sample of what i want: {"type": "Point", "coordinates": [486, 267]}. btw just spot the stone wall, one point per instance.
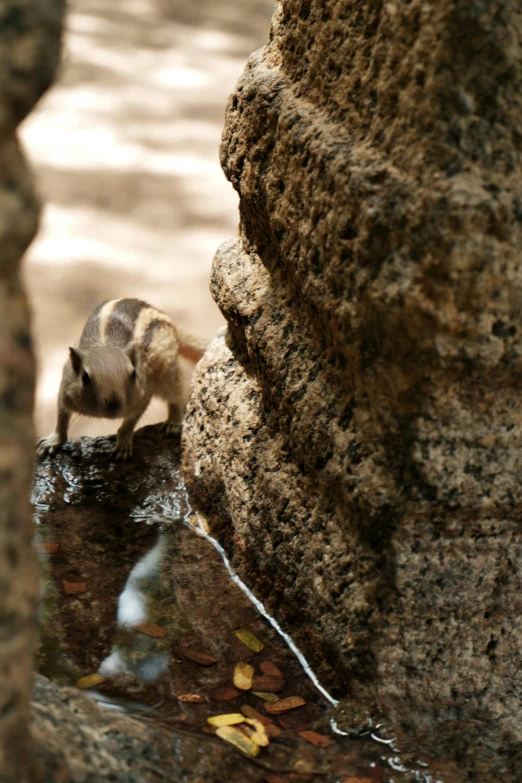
{"type": "Point", "coordinates": [29, 51]}
{"type": "Point", "coordinates": [354, 435]}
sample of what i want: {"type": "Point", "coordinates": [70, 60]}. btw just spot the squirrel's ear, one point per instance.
{"type": "Point", "coordinates": [132, 352]}
{"type": "Point", "coordinates": [76, 359]}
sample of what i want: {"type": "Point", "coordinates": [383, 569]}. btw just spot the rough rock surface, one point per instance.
{"type": "Point", "coordinates": [30, 35]}
{"type": "Point", "coordinates": [79, 742]}
{"type": "Point", "coordinates": [354, 436]}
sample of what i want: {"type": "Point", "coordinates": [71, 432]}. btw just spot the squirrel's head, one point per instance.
{"type": "Point", "coordinates": [104, 381]}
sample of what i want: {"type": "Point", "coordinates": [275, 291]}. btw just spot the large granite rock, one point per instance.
{"type": "Point", "coordinates": [29, 52]}
{"type": "Point", "coordinates": [353, 437]}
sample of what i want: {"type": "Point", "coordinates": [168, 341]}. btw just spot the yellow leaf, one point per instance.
{"type": "Point", "coordinates": [243, 676]}
{"type": "Point", "coordinates": [240, 740]}
{"type": "Point", "coordinates": [226, 720]}
{"type": "Point", "coordinates": [258, 735]}
{"type": "Point", "coordinates": [90, 681]}
{"type": "Point", "coordinates": [266, 696]}
{"type": "Point", "coordinates": [249, 640]}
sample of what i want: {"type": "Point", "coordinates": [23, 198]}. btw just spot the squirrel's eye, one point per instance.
{"type": "Point", "coordinates": [86, 378]}
{"type": "Point", "coordinates": [133, 375]}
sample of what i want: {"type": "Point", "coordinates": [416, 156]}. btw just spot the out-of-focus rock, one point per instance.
{"type": "Point", "coordinates": [29, 52]}
{"type": "Point", "coordinates": [354, 436]}
{"type": "Point", "coordinates": [79, 742]}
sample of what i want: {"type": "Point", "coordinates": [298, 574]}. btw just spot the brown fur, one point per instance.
{"type": "Point", "coordinates": [128, 353]}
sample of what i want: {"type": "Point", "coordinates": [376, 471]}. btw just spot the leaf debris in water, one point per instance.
{"type": "Point", "coordinates": [47, 549]}
{"type": "Point", "coordinates": [225, 693]}
{"type": "Point", "coordinates": [249, 640]}
{"type": "Point", "coordinates": [270, 669]}
{"type": "Point", "coordinates": [73, 588]}
{"type": "Point", "coordinates": [229, 719]}
{"type": "Point", "coordinates": [191, 698]}
{"type": "Point", "coordinates": [239, 740]}
{"type": "Point", "coordinates": [258, 733]}
{"type": "Point", "coordinates": [268, 684]}
{"type": "Point", "coordinates": [266, 696]}
{"type": "Point", "coordinates": [90, 681]}
{"type": "Point", "coordinates": [250, 712]}
{"type": "Point", "coordinates": [290, 703]}
{"type": "Point", "coordinates": [243, 676]}
{"type": "Point", "coordinates": [272, 730]}
{"type": "Point", "coordinates": [149, 629]}
{"type": "Point", "coordinates": [315, 739]}
{"type": "Point", "coordinates": [198, 657]}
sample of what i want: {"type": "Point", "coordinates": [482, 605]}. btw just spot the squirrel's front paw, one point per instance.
{"type": "Point", "coordinates": [122, 450]}
{"type": "Point", "coordinates": [49, 445]}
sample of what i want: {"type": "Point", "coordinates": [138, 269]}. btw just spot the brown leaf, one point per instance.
{"type": "Point", "coordinates": [149, 629]}
{"type": "Point", "coordinates": [73, 588]}
{"type": "Point", "coordinates": [250, 712]}
{"type": "Point", "coordinates": [209, 729]}
{"type": "Point", "coordinates": [195, 655]}
{"type": "Point", "coordinates": [225, 693]}
{"type": "Point", "coordinates": [243, 676]}
{"type": "Point", "coordinates": [294, 722]}
{"type": "Point", "coordinates": [299, 776]}
{"type": "Point", "coordinates": [270, 669]}
{"type": "Point", "coordinates": [191, 698]}
{"type": "Point", "coordinates": [47, 549]}
{"type": "Point", "coordinates": [315, 739]}
{"type": "Point", "coordinates": [272, 730]}
{"type": "Point", "coordinates": [250, 640]}
{"type": "Point", "coordinates": [290, 703]}
{"type": "Point", "coordinates": [269, 778]}
{"type": "Point", "coordinates": [268, 684]}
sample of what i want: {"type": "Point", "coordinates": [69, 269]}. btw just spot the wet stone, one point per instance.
{"type": "Point", "coordinates": [155, 589]}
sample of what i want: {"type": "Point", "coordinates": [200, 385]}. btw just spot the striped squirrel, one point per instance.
{"type": "Point", "coordinates": [128, 353]}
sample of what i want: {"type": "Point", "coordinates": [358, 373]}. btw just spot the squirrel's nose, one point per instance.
{"type": "Point", "coordinates": [112, 404]}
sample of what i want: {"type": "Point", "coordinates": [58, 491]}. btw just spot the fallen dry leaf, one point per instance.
{"type": "Point", "coordinates": [290, 703]}
{"type": "Point", "coordinates": [273, 778]}
{"type": "Point", "coordinates": [258, 733]}
{"type": "Point", "coordinates": [191, 698]}
{"type": "Point", "coordinates": [294, 721]}
{"type": "Point", "coordinates": [270, 669]}
{"type": "Point", "coordinates": [209, 730]}
{"type": "Point", "coordinates": [249, 640]}
{"type": "Point", "coordinates": [73, 588]}
{"type": "Point", "coordinates": [195, 655]}
{"type": "Point", "coordinates": [272, 730]}
{"type": "Point", "coordinates": [243, 676]}
{"type": "Point", "coordinates": [315, 739]}
{"type": "Point", "coordinates": [268, 684]}
{"type": "Point", "coordinates": [250, 712]}
{"type": "Point", "coordinates": [357, 780]}
{"type": "Point", "coordinates": [149, 629]}
{"type": "Point", "coordinates": [238, 739]}
{"type": "Point", "coordinates": [229, 719]}
{"type": "Point", "coordinates": [266, 696]}
{"type": "Point", "coordinates": [90, 681]}
{"type": "Point", "coordinates": [299, 776]}
{"type": "Point", "coordinates": [46, 549]}
{"type": "Point", "coordinates": [225, 693]}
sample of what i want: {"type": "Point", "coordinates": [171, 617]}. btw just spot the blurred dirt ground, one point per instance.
{"type": "Point", "coordinates": [125, 149]}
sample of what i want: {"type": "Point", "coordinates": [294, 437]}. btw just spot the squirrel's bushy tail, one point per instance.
{"type": "Point", "coordinates": [191, 347]}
